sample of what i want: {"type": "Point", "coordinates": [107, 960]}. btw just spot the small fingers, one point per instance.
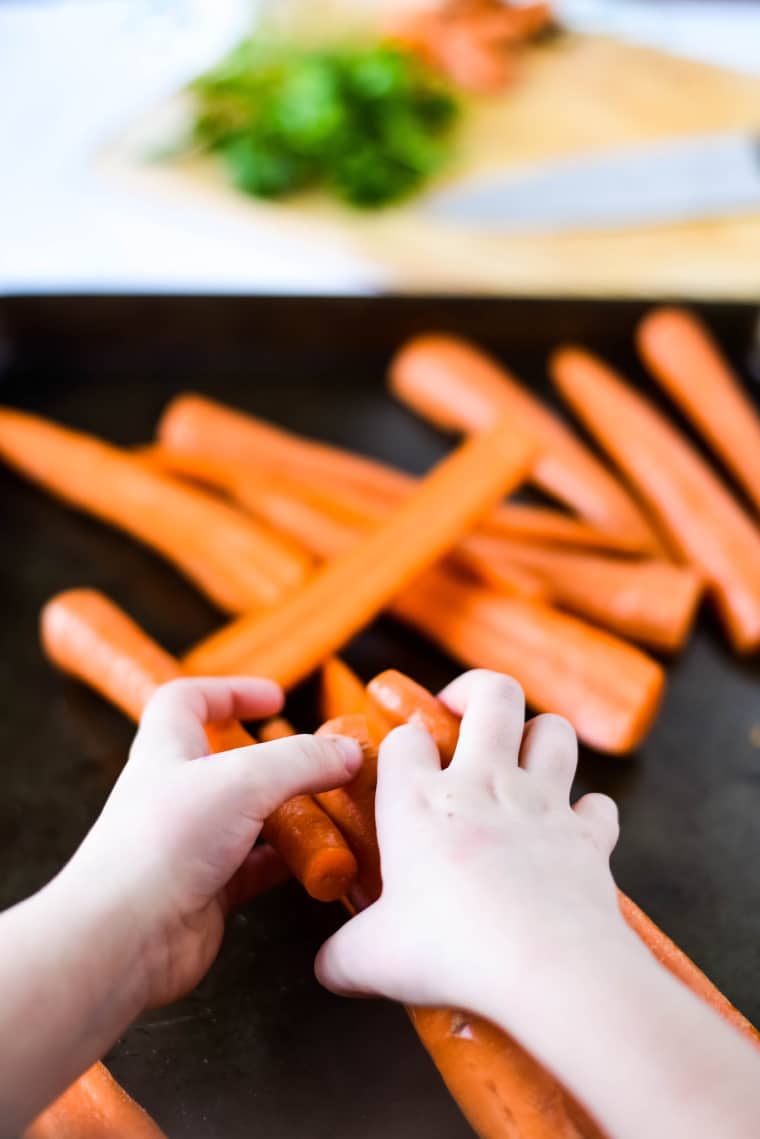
{"type": "Point", "coordinates": [407, 756]}
{"type": "Point", "coordinates": [172, 725]}
{"type": "Point", "coordinates": [550, 751]}
{"type": "Point", "coordinates": [600, 814]}
{"type": "Point", "coordinates": [492, 707]}
{"type": "Point", "coordinates": [260, 778]}
{"type": "Point", "coordinates": [348, 962]}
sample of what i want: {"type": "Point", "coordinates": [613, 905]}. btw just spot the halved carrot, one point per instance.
{"type": "Point", "coordinates": [404, 701]}
{"type": "Point", "coordinates": [459, 388]}
{"type": "Point", "coordinates": [94, 1107]}
{"type": "Point", "coordinates": [300, 634]}
{"type": "Point", "coordinates": [236, 562]}
{"type": "Point", "coordinates": [702, 519]}
{"type": "Point", "coordinates": [219, 447]}
{"type": "Point", "coordinates": [608, 690]}
{"type": "Point", "coordinates": [651, 601]}
{"type": "Point", "coordinates": [342, 694]}
{"type": "Point", "coordinates": [89, 637]}
{"type": "Point", "coordinates": [680, 352]}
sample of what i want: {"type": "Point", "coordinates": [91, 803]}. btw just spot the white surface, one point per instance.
{"type": "Point", "coordinates": [73, 73]}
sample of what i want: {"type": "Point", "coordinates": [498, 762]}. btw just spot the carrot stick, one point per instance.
{"type": "Point", "coordinates": [459, 388]}
{"type": "Point", "coordinates": [404, 701]}
{"type": "Point", "coordinates": [344, 694]}
{"type": "Point", "coordinates": [87, 636]}
{"type": "Point", "coordinates": [651, 601]}
{"type": "Point", "coordinates": [680, 352]}
{"type": "Point", "coordinates": [703, 521]}
{"type": "Point", "coordinates": [296, 637]}
{"type": "Point", "coordinates": [94, 1107]}
{"type": "Point", "coordinates": [232, 559]}
{"type": "Point", "coordinates": [205, 441]}
{"type": "Point", "coordinates": [608, 690]}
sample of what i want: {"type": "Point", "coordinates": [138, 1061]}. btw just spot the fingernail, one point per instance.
{"type": "Point", "coordinates": [351, 751]}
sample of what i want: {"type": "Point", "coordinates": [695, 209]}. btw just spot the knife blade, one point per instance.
{"type": "Point", "coordinates": [699, 177]}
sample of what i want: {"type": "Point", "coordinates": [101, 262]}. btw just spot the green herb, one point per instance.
{"type": "Point", "coordinates": [368, 123]}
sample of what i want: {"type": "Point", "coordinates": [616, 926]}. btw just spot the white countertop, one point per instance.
{"type": "Point", "coordinates": [75, 72]}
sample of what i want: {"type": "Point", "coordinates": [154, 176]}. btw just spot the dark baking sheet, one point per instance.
{"type": "Point", "coordinates": [259, 1048]}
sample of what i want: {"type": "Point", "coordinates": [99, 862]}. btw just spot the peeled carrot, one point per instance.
{"type": "Point", "coordinates": [352, 809]}
{"type": "Point", "coordinates": [94, 1107]}
{"type": "Point", "coordinates": [236, 562]}
{"type": "Point", "coordinates": [651, 601]}
{"type": "Point", "coordinates": [404, 701]}
{"type": "Point", "coordinates": [297, 636]}
{"type": "Point", "coordinates": [680, 352]}
{"type": "Point", "coordinates": [459, 388]}
{"type": "Point", "coordinates": [703, 521]}
{"type": "Point", "coordinates": [212, 444]}
{"type": "Point", "coordinates": [608, 690]}
{"type": "Point", "coordinates": [86, 635]}
{"type": "Point", "coordinates": [344, 694]}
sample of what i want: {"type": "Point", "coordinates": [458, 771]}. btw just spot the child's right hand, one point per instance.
{"type": "Point", "coordinates": [493, 884]}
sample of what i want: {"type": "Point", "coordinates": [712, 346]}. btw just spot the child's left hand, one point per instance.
{"type": "Point", "coordinates": [174, 840]}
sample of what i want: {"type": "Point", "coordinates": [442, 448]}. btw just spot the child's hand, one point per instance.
{"type": "Point", "coordinates": [173, 843]}
{"type": "Point", "coordinates": [492, 883]}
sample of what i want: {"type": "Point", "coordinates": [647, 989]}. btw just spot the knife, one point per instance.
{"type": "Point", "coordinates": [704, 176]}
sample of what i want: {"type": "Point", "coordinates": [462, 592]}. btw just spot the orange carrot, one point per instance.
{"type": "Point", "coordinates": [86, 635]}
{"type": "Point", "coordinates": [704, 522]}
{"type": "Point", "coordinates": [609, 690]}
{"type": "Point", "coordinates": [195, 424]}
{"type": "Point", "coordinates": [680, 352]}
{"type": "Point", "coordinates": [235, 561]}
{"type": "Point", "coordinates": [214, 445]}
{"type": "Point", "coordinates": [94, 1107]}
{"type": "Point", "coordinates": [276, 728]}
{"type": "Point", "coordinates": [651, 601]}
{"type": "Point", "coordinates": [404, 701]}
{"type": "Point", "coordinates": [344, 694]}
{"type": "Point", "coordinates": [352, 809]}
{"type": "Point", "coordinates": [297, 636]}
{"type": "Point", "coordinates": [459, 388]}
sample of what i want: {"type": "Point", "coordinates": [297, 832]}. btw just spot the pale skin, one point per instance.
{"type": "Point", "coordinates": [497, 898]}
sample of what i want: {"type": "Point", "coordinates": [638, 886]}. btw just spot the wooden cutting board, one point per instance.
{"type": "Point", "coordinates": [575, 94]}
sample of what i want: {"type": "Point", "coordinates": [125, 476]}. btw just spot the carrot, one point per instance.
{"type": "Point", "coordinates": [458, 388]}
{"type": "Point", "coordinates": [703, 521]}
{"type": "Point", "coordinates": [212, 444]}
{"type": "Point", "coordinates": [298, 635]}
{"type": "Point", "coordinates": [352, 809]}
{"type": "Point", "coordinates": [276, 728]}
{"type": "Point", "coordinates": [94, 1107]}
{"type": "Point", "coordinates": [404, 701]}
{"type": "Point", "coordinates": [193, 424]}
{"type": "Point", "coordinates": [651, 601]}
{"type": "Point", "coordinates": [344, 694]}
{"type": "Point", "coordinates": [608, 690]}
{"type": "Point", "coordinates": [680, 352]}
{"type": "Point", "coordinates": [233, 560]}
{"type": "Point", "coordinates": [86, 635]}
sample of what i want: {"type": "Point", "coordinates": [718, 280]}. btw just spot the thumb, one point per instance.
{"type": "Point", "coordinates": [350, 962]}
{"type": "Point", "coordinates": [259, 778]}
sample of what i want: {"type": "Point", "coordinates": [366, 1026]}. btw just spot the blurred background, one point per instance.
{"type": "Point", "coordinates": [113, 181]}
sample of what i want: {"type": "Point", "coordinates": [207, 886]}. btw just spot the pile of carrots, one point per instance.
{"type": "Point", "coordinates": [303, 544]}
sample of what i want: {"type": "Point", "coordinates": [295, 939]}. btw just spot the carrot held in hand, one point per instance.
{"type": "Point", "coordinates": [94, 1107]}
{"type": "Point", "coordinates": [236, 562]}
{"type": "Point", "coordinates": [89, 637]}
{"type": "Point", "coordinates": [459, 388]}
{"type": "Point", "coordinates": [702, 519]}
{"type": "Point", "coordinates": [297, 636]}
{"type": "Point", "coordinates": [680, 352]}
{"type": "Point", "coordinates": [343, 694]}
{"type": "Point", "coordinates": [406, 702]}
{"type": "Point", "coordinates": [651, 601]}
